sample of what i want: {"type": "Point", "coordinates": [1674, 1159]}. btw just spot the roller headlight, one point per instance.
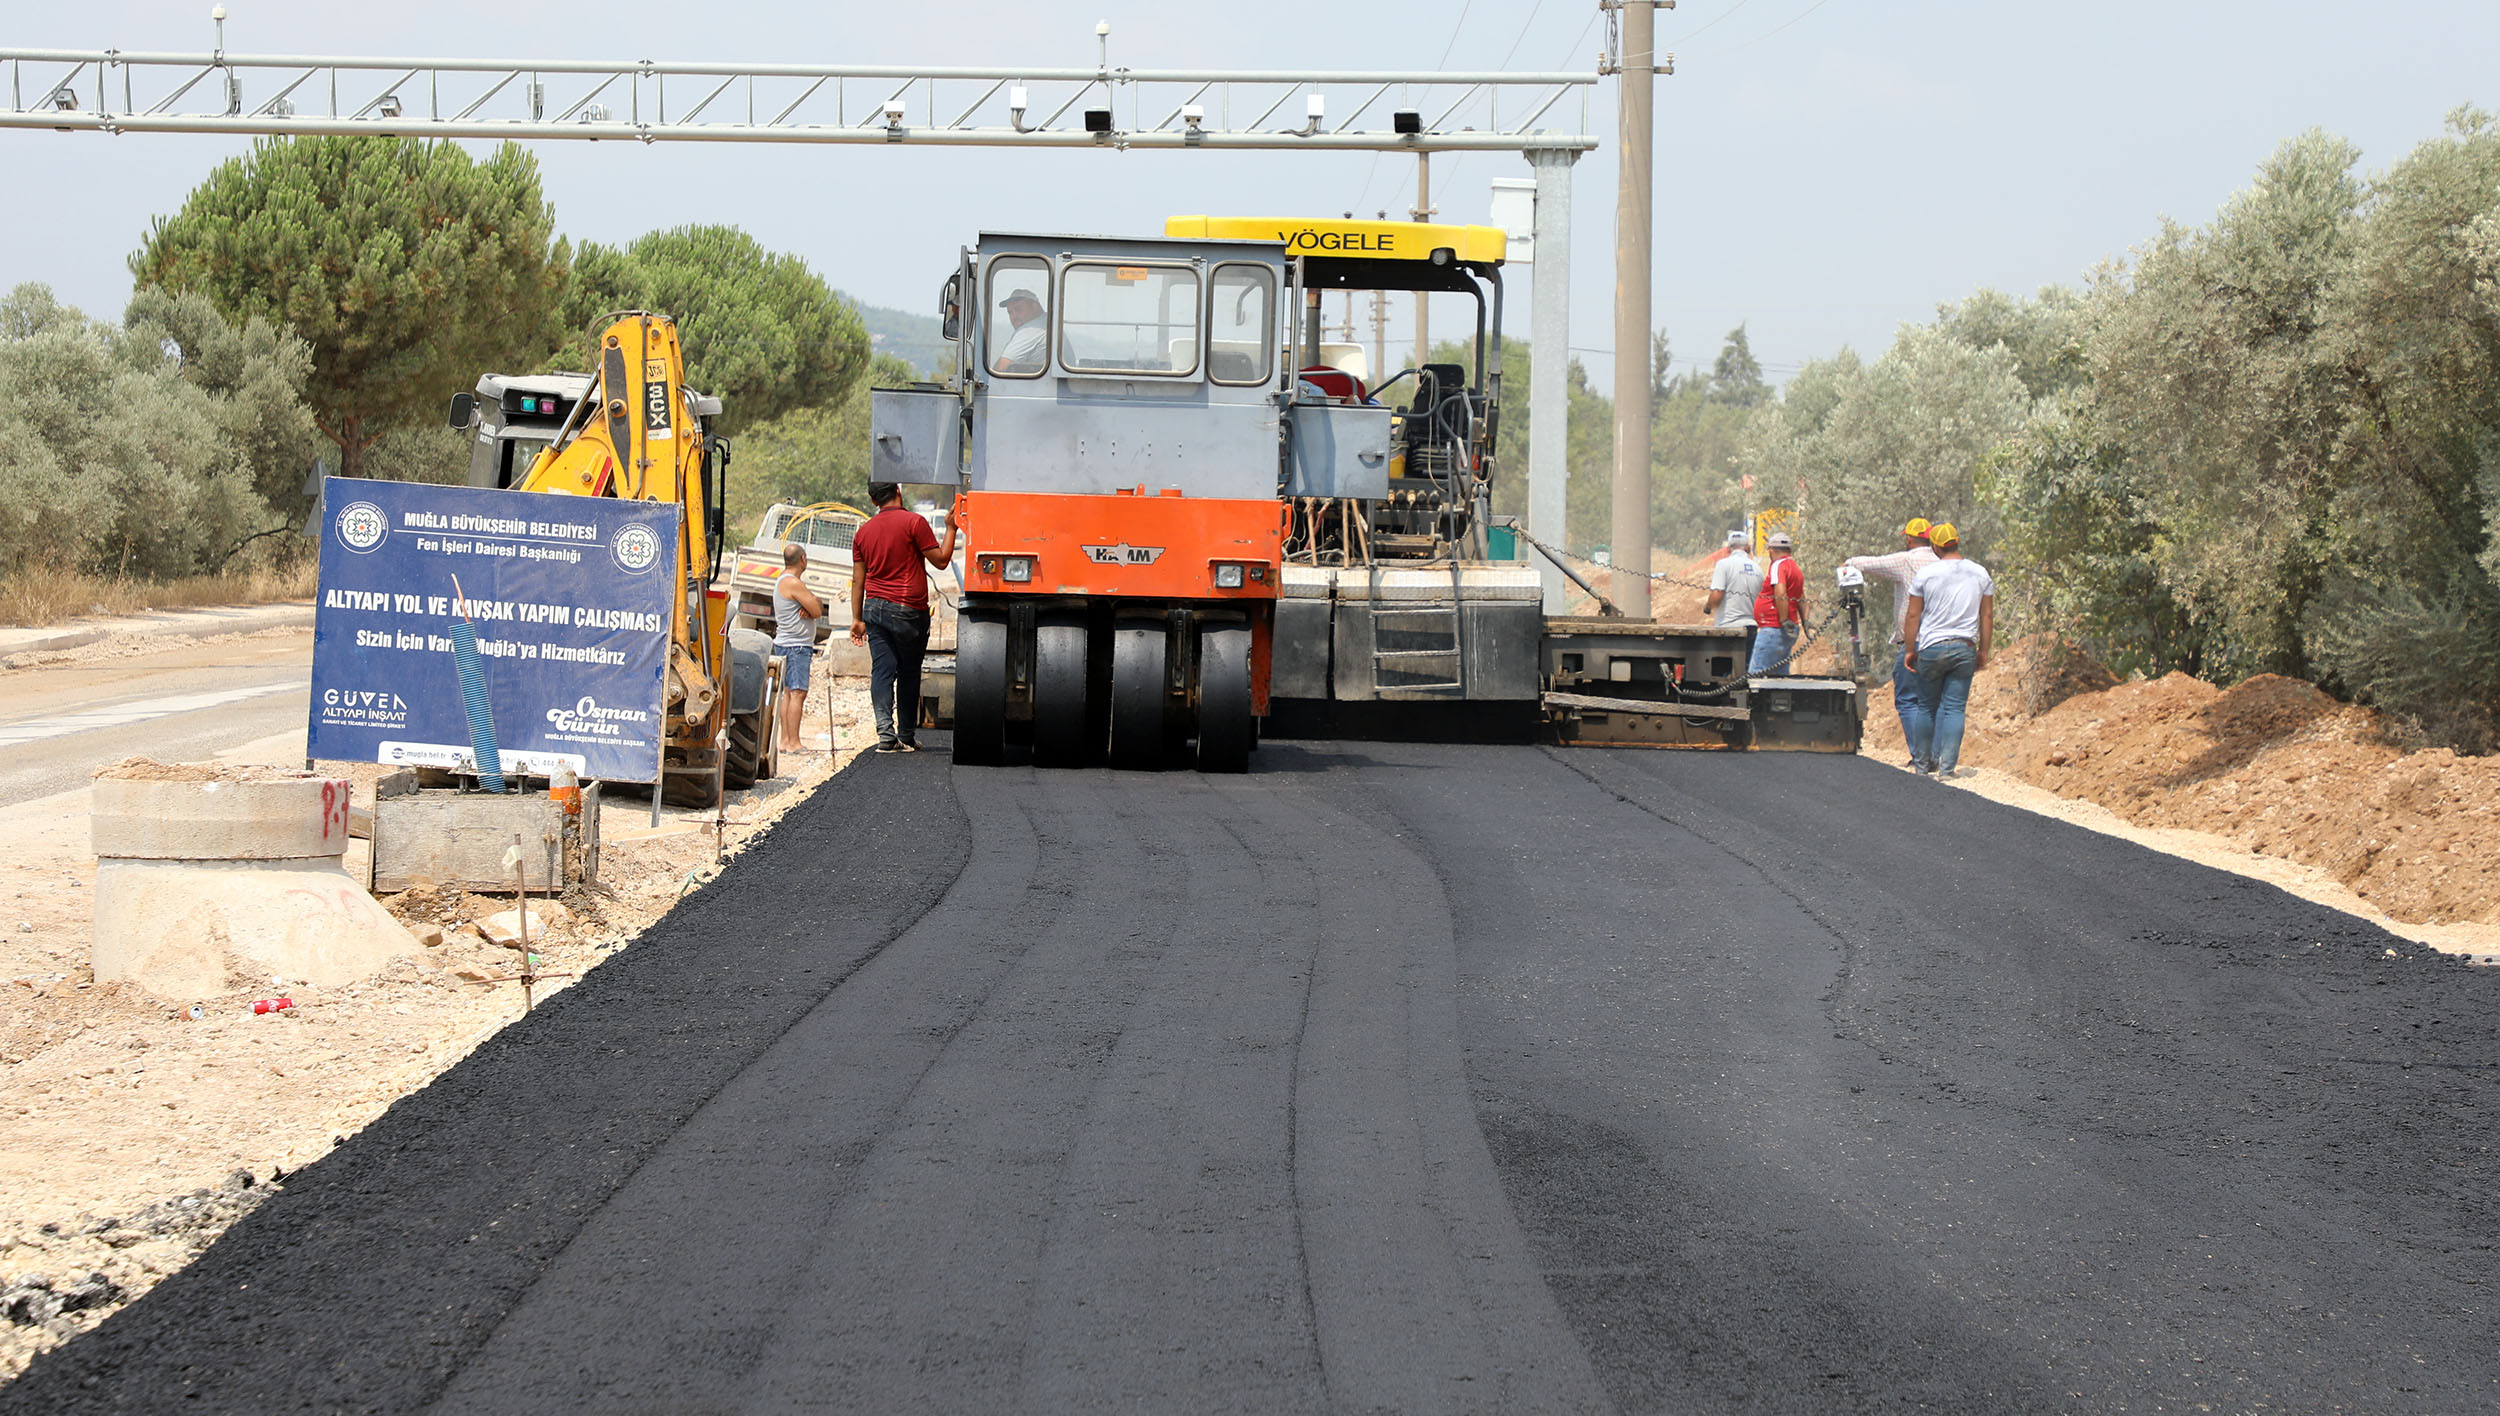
{"type": "Point", "coordinates": [1228, 577]}
{"type": "Point", "coordinates": [1018, 570]}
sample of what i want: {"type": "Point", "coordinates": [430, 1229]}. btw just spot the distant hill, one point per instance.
{"type": "Point", "coordinates": [911, 337]}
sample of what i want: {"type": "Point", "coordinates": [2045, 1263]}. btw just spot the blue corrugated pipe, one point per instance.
{"type": "Point", "coordinates": [473, 694]}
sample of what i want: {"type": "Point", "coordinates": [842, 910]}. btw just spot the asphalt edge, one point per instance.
{"type": "Point", "coordinates": [259, 1321]}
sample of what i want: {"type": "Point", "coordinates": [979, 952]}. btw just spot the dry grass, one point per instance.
{"type": "Point", "coordinates": [30, 597]}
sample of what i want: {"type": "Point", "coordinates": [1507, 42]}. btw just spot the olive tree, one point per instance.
{"type": "Point", "coordinates": [1860, 448]}
{"type": "Point", "coordinates": [142, 449]}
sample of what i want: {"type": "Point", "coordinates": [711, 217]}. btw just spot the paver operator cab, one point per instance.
{"type": "Point", "coordinates": [1177, 512]}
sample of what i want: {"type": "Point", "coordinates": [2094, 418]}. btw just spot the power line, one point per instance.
{"type": "Point", "coordinates": [1523, 35]}
{"type": "Point", "coordinates": [1371, 174]}
{"type": "Point", "coordinates": [1454, 29]}
{"type": "Point", "coordinates": [1521, 38]}
{"type": "Point", "coordinates": [1584, 34]}
{"type": "Point", "coordinates": [1766, 34]}
{"type": "Point", "coordinates": [1726, 14]}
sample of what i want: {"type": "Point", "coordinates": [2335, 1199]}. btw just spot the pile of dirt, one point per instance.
{"type": "Point", "coordinates": [148, 769]}
{"type": "Point", "coordinates": [2047, 671]}
{"type": "Point", "coordinates": [2271, 763]}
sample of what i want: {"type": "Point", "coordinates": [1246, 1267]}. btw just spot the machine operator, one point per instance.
{"type": "Point", "coordinates": [1028, 348]}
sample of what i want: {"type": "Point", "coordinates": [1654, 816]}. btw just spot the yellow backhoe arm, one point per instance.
{"type": "Point", "coordinates": [636, 437]}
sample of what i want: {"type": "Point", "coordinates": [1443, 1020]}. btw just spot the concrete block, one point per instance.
{"type": "Point", "coordinates": [839, 655]}
{"type": "Point", "coordinates": [296, 817]}
{"type": "Point", "coordinates": [193, 929]}
{"type": "Point", "coordinates": [455, 838]}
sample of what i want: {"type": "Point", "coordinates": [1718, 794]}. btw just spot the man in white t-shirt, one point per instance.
{"type": "Point", "coordinates": [1028, 348]}
{"type": "Point", "coordinates": [1952, 619]}
{"type": "Point", "coordinates": [1734, 582]}
{"type": "Point", "coordinates": [1900, 567]}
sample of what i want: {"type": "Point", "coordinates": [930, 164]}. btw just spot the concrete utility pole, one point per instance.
{"type": "Point", "coordinates": [1549, 333]}
{"type": "Point", "coordinates": [1637, 61]}
{"type": "Point", "coordinates": [1423, 299]}
{"type": "Point", "coordinates": [1380, 335]}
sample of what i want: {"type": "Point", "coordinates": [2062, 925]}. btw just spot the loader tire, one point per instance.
{"type": "Point", "coordinates": [748, 747]}
{"type": "Point", "coordinates": [696, 791]}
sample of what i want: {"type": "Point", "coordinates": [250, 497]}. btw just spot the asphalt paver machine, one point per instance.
{"type": "Point", "coordinates": [1394, 617]}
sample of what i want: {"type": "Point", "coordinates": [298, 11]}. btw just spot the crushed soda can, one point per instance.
{"type": "Point", "coordinates": [272, 1005]}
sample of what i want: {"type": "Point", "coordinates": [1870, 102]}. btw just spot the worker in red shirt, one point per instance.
{"type": "Point", "coordinates": [1780, 610]}
{"type": "Point", "coordinates": [890, 556]}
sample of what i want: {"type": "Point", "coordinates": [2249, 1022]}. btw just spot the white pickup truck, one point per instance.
{"type": "Point", "coordinates": [825, 529]}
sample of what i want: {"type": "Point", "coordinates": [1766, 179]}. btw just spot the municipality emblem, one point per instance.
{"type": "Point", "coordinates": [362, 526]}
{"type": "Point", "coordinates": [637, 548]}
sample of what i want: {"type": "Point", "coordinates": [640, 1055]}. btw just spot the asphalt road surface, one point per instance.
{"type": "Point", "coordinates": [1396, 1078]}
{"type": "Point", "coordinates": [181, 702]}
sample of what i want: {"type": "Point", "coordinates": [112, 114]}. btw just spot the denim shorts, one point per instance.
{"type": "Point", "coordinates": [795, 660]}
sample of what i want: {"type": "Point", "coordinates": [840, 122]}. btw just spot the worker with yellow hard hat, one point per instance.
{"type": "Point", "coordinates": [1898, 568]}
{"type": "Point", "coordinates": [1951, 626]}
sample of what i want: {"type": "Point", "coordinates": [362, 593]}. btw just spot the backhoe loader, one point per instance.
{"type": "Point", "coordinates": [632, 429]}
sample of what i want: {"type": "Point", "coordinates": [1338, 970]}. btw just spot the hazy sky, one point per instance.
{"type": "Point", "coordinates": [1826, 168]}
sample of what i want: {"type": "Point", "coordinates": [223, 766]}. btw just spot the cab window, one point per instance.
{"type": "Point", "coordinates": [1117, 318]}
{"type": "Point", "coordinates": [1241, 324]}
{"type": "Point", "coordinates": [1017, 319]}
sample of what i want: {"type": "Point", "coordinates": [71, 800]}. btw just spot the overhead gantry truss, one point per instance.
{"type": "Point", "coordinates": [109, 91]}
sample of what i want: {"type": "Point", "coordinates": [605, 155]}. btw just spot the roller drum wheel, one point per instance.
{"type": "Point", "coordinates": [1137, 697]}
{"type": "Point", "coordinates": [1063, 709]}
{"type": "Point", "coordinates": [1226, 728]}
{"type": "Point", "coordinates": [980, 688]}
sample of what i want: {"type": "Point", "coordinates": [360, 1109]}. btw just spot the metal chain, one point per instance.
{"type": "Point", "coordinates": [1657, 576]}
{"type": "Point", "coordinates": [1813, 629]}
{"type": "Point", "coordinates": [1813, 632]}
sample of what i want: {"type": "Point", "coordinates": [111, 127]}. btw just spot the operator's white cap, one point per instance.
{"type": "Point", "coordinates": [1779, 540]}
{"type": "Point", "coordinates": [1736, 538]}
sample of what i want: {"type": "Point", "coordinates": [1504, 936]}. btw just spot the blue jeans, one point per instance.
{"type": "Point", "coordinates": [1918, 721]}
{"type": "Point", "coordinates": [897, 638]}
{"type": "Point", "coordinates": [1770, 650]}
{"type": "Point", "coordinates": [1944, 675]}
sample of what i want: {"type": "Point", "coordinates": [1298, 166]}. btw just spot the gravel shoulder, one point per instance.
{"type": "Point", "coordinates": [117, 1104]}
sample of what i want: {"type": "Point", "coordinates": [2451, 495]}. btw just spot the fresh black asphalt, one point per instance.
{"type": "Point", "coordinates": [1404, 1078]}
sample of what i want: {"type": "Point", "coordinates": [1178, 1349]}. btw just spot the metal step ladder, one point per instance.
{"type": "Point", "coordinates": [1442, 621]}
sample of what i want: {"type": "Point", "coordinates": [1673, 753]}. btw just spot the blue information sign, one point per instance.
{"type": "Point", "coordinates": [569, 599]}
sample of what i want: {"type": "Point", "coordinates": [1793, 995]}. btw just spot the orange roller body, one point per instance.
{"type": "Point", "coordinates": [1132, 544]}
